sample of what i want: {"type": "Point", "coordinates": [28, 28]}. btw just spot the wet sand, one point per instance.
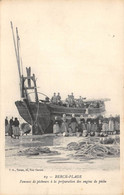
{"type": "Point", "coordinates": [61, 161]}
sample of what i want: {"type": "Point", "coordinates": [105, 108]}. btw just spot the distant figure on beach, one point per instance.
{"type": "Point", "coordinates": [16, 130]}
{"type": "Point", "coordinates": [10, 127]}
{"type": "Point", "coordinates": [6, 121]}
{"type": "Point", "coordinates": [6, 125]}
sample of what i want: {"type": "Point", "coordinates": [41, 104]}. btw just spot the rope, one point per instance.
{"type": "Point", "coordinates": [37, 112]}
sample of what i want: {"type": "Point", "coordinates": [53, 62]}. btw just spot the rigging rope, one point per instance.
{"type": "Point", "coordinates": [37, 112]}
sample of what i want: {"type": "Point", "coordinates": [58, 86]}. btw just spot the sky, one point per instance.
{"type": "Point", "coordinates": [71, 46]}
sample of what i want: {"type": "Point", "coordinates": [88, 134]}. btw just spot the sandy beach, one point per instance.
{"type": "Point", "coordinates": [60, 160]}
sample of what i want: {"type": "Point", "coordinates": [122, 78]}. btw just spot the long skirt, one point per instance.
{"type": "Point", "coordinates": [117, 126]}
{"type": "Point", "coordinates": [83, 126]}
{"type": "Point", "coordinates": [85, 133]}
{"type": "Point", "coordinates": [16, 131]}
{"type": "Point", "coordinates": [105, 127]}
{"type": "Point", "coordinates": [73, 126]}
{"type": "Point", "coordinates": [89, 127]}
{"type": "Point", "coordinates": [56, 128]}
{"type": "Point", "coordinates": [99, 127]}
{"type": "Point", "coordinates": [64, 127]}
{"type": "Point", "coordinates": [111, 125]}
{"type": "Point", "coordinates": [10, 130]}
{"type": "Point", "coordinates": [7, 129]}
{"type": "Point", "coordinates": [94, 127]}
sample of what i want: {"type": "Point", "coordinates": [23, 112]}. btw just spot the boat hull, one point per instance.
{"type": "Point", "coordinates": [42, 115]}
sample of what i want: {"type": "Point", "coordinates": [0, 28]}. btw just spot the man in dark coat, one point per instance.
{"type": "Point", "coordinates": [6, 125]}
{"type": "Point", "coordinates": [10, 128]}
{"type": "Point", "coordinates": [16, 131]}
{"type": "Point", "coordinates": [6, 121]}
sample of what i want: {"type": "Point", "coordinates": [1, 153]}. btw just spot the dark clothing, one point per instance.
{"type": "Point", "coordinates": [73, 120]}
{"type": "Point", "coordinates": [117, 118]}
{"type": "Point", "coordinates": [58, 97]}
{"type": "Point", "coordinates": [80, 129]}
{"type": "Point", "coordinates": [111, 119]}
{"type": "Point", "coordinates": [89, 120]}
{"type": "Point", "coordinates": [10, 131]}
{"type": "Point", "coordinates": [73, 124]}
{"type": "Point", "coordinates": [11, 122]}
{"type": "Point", "coordinates": [82, 120]}
{"type": "Point", "coordinates": [99, 127]}
{"type": "Point", "coordinates": [6, 122]}
{"type": "Point", "coordinates": [10, 128]}
{"type": "Point", "coordinates": [58, 121]}
{"type": "Point", "coordinates": [16, 123]}
{"type": "Point", "coordinates": [47, 99]}
{"type": "Point", "coordinates": [105, 120]}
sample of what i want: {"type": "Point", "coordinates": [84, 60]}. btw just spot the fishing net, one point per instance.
{"type": "Point", "coordinates": [93, 150]}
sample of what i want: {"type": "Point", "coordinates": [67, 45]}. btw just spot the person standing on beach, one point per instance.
{"type": "Point", "coordinates": [73, 124]}
{"type": "Point", "coordinates": [10, 127]}
{"type": "Point", "coordinates": [89, 122]}
{"type": "Point", "coordinates": [64, 126]}
{"type": "Point", "coordinates": [6, 125]}
{"type": "Point", "coordinates": [16, 130]}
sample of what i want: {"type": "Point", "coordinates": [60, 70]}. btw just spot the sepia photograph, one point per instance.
{"type": "Point", "coordinates": [62, 96]}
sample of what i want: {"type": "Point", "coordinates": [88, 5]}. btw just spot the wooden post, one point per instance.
{"type": "Point", "coordinates": [35, 88]}
{"type": "Point", "coordinates": [29, 75]}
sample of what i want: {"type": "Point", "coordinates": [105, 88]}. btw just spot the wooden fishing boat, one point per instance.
{"type": "Point", "coordinates": [40, 114]}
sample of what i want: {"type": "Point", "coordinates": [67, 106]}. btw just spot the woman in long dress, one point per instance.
{"type": "Point", "coordinates": [82, 119]}
{"type": "Point", "coordinates": [111, 124]}
{"type": "Point", "coordinates": [16, 130]}
{"type": "Point", "coordinates": [73, 124]}
{"type": "Point", "coordinates": [64, 126]}
{"type": "Point", "coordinates": [56, 127]}
{"type": "Point", "coordinates": [105, 125]}
{"type": "Point", "coordinates": [89, 121]}
{"type": "Point", "coordinates": [117, 124]}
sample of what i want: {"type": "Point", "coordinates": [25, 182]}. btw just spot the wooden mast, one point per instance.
{"type": "Point", "coordinates": [23, 88]}
{"type": "Point", "coordinates": [16, 46]}
{"type": "Point", "coordinates": [16, 50]}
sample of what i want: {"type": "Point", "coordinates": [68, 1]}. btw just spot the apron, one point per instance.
{"type": "Point", "coordinates": [117, 126]}
{"type": "Point", "coordinates": [64, 127]}
{"type": "Point", "coordinates": [16, 131]}
{"type": "Point", "coordinates": [111, 125]}
{"type": "Point", "coordinates": [73, 126]}
{"type": "Point", "coordinates": [105, 127]}
{"type": "Point", "coordinates": [89, 127]}
{"type": "Point", "coordinates": [56, 128]}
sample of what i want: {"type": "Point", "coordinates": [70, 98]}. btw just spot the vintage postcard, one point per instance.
{"type": "Point", "coordinates": [61, 102]}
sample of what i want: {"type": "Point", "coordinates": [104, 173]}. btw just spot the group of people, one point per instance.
{"type": "Point", "coordinates": [71, 101]}
{"type": "Point", "coordinates": [12, 127]}
{"type": "Point", "coordinates": [85, 126]}
{"type": "Point", "coordinates": [56, 99]}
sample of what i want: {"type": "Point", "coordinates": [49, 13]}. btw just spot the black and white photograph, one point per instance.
{"type": "Point", "coordinates": [62, 70]}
